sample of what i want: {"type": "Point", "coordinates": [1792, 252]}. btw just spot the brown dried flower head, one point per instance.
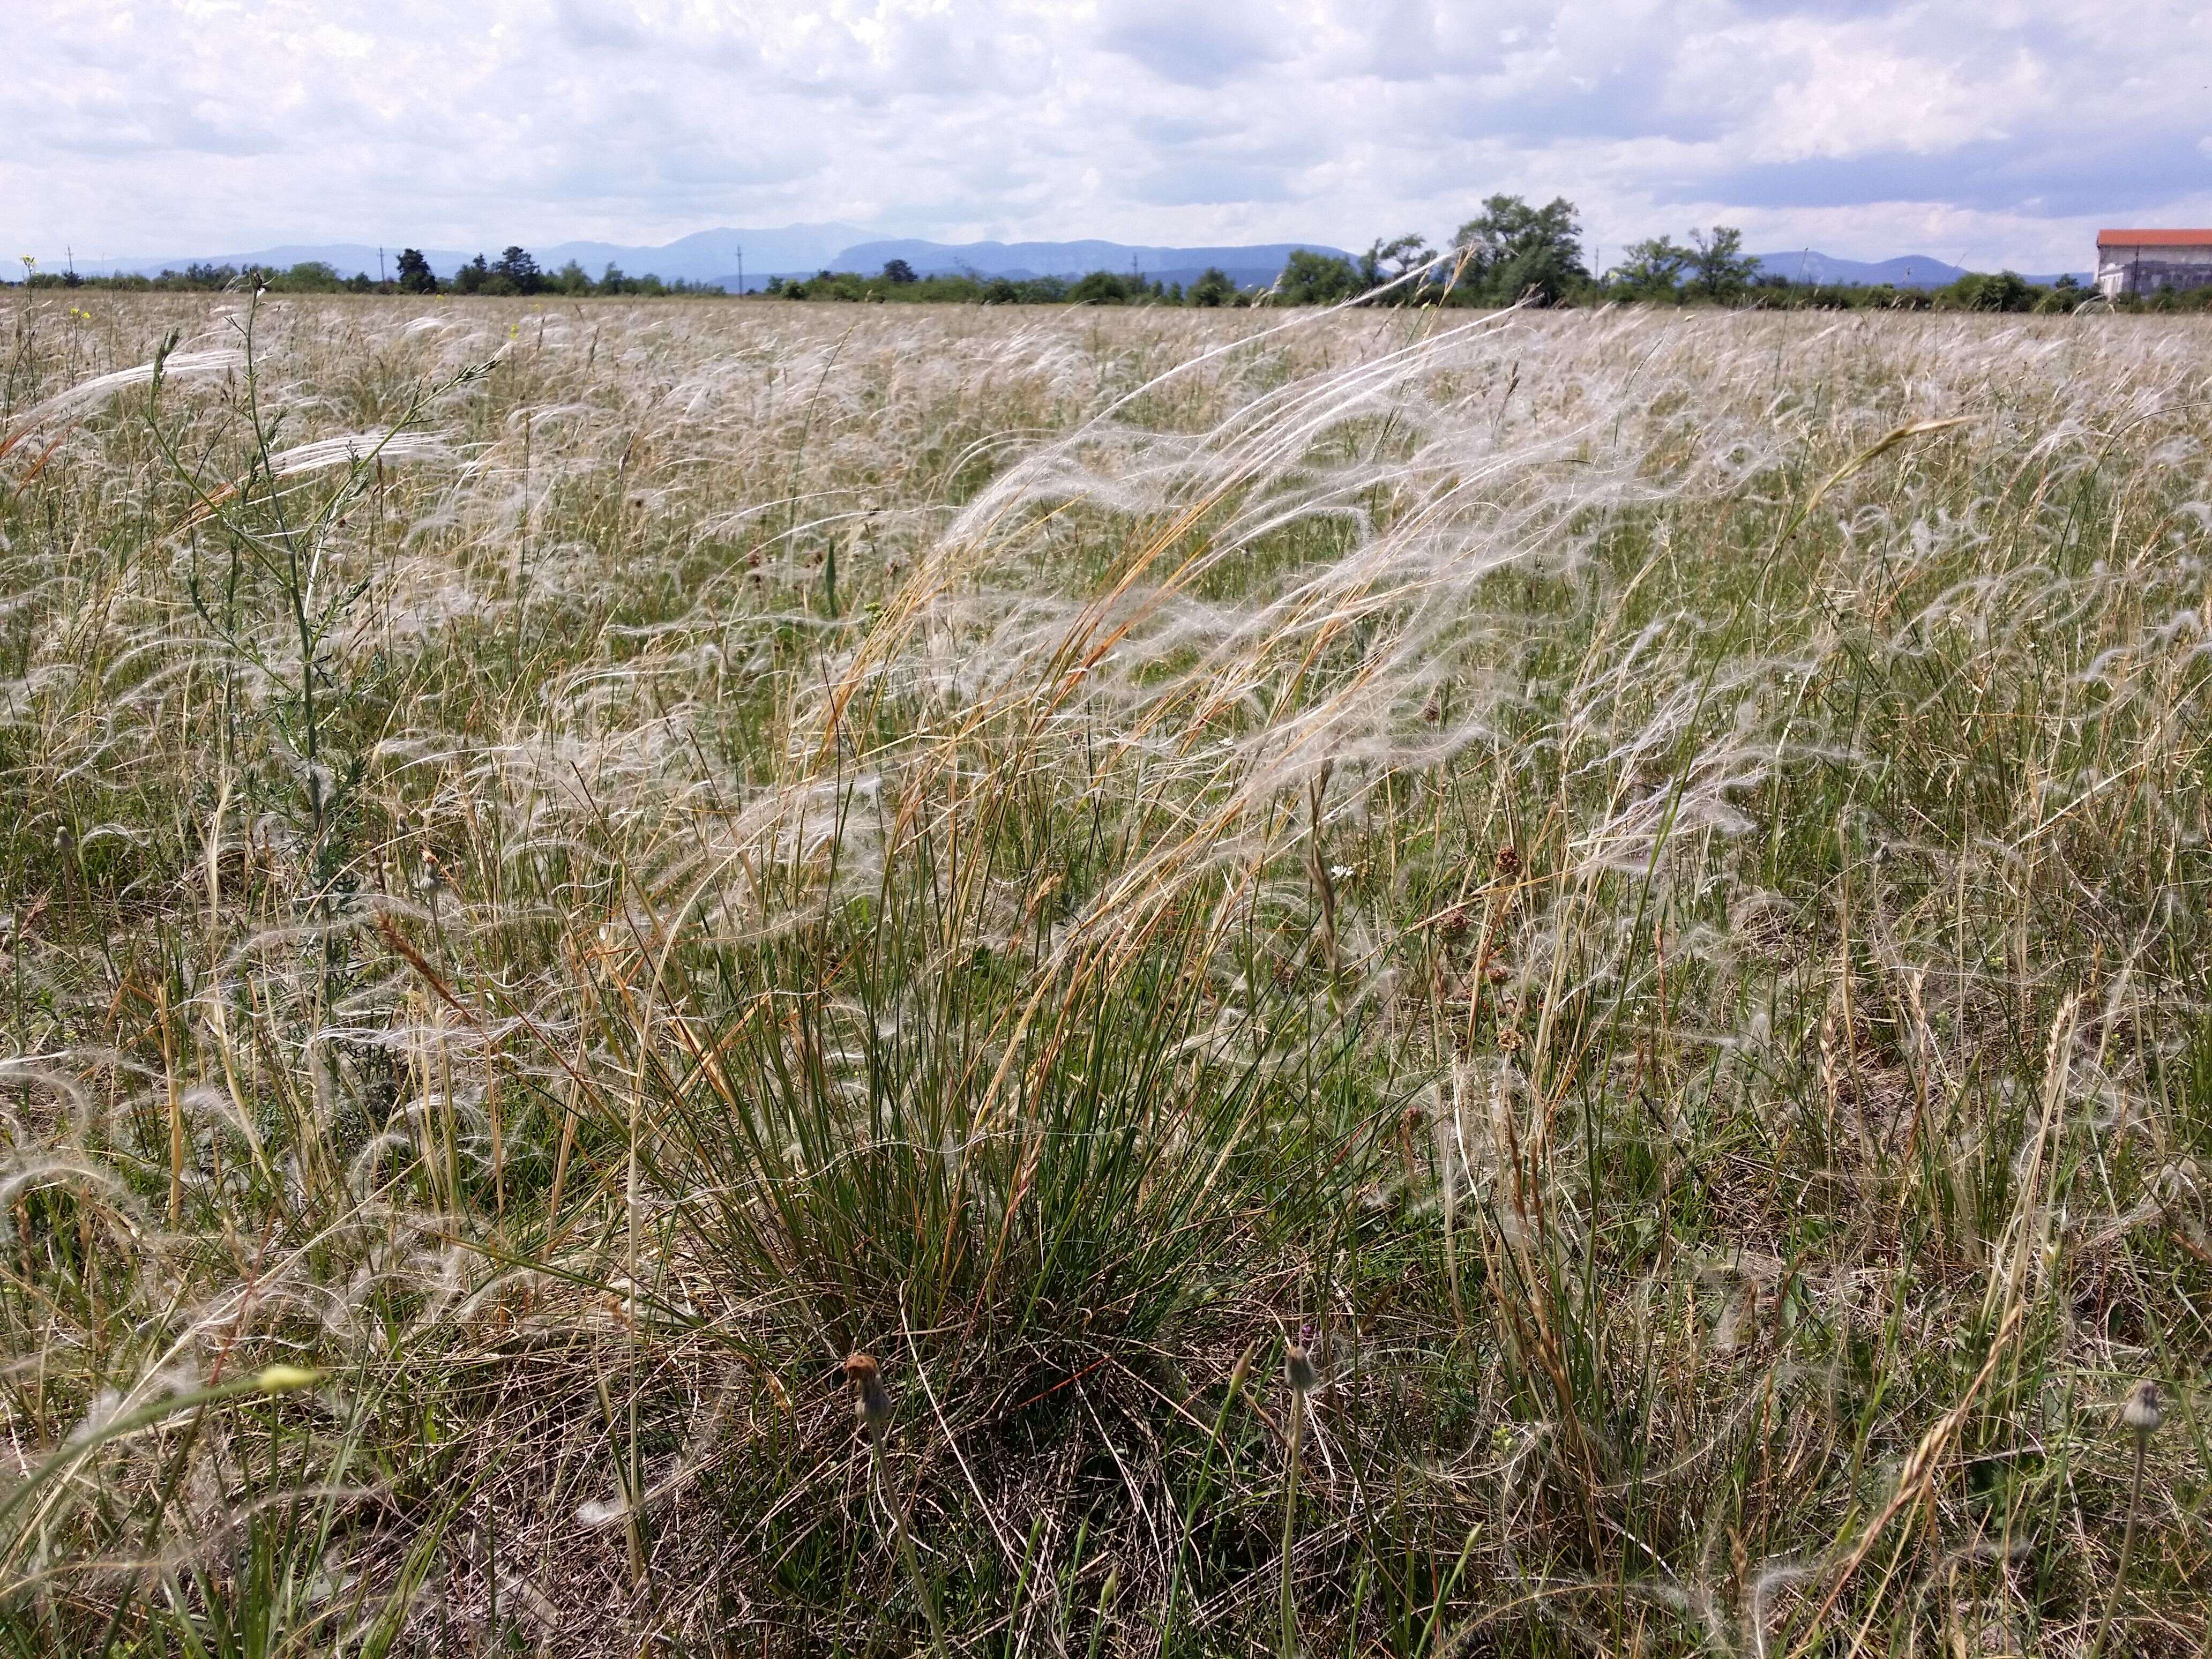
{"type": "Point", "coordinates": [872, 1403]}
{"type": "Point", "coordinates": [1298, 1370]}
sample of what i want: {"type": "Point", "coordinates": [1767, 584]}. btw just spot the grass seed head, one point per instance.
{"type": "Point", "coordinates": [1242, 1372]}
{"type": "Point", "coordinates": [286, 1379]}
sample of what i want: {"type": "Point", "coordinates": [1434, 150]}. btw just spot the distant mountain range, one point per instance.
{"type": "Point", "coordinates": [1912, 270]}
{"type": "Point", "coordinates": [716, 256]}
{"type": "Point", "coordinates": [1258, 263]}
{"type": "Point", "coordinates": [708, 256]}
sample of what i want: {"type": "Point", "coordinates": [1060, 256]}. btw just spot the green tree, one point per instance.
{"type": "Point", "coordinates": [1099, 288]}
{"type": "Point", "coordinates": [1214, 288]}
{"type": "Point", "coordinates": [1654, 268]}
{"type": "Point", "coordinates": [416, 276]}
{"type": "Point", "coordinates": [897, 270]}
{"type": "Point", "coordinates": [1388, 262]}
{"type": "Point", "coordinates": [1723, 269]}
{"type": "Point", "coordinates": [1315, 279]}
{"type": "Point", "coordinates": [519, 268]}
{"type": "Point", "coordinates": [1518, 252]}
{"type": "Point", "coordinates": [473, 278]}
{"type": "Point", "coordinates": [309, 276]}
{"type": "Point", "coordinates": [2006, 290]}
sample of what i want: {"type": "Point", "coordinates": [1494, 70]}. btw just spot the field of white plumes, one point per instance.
{"type": "Point", "coordinates": [1635, 885]}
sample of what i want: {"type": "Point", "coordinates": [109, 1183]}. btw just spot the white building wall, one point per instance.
{"type": "Point", "coordinates": [2149, 268]}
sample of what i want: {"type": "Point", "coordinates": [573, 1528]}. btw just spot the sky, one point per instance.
{"type": "Point", "coordinates": [1994, 134]}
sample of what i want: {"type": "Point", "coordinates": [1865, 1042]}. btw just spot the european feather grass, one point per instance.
{"type": "Point", "coordinates": [1641, 875]}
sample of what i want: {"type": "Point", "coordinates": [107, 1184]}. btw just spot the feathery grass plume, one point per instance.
{"type": "Point", "coordinates": [64, 408]}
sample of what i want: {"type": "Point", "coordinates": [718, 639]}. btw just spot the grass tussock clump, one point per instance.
{"type": "Point", "coordinates": [1168, 983]}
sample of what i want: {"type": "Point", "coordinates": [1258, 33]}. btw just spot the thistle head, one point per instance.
{"type": "Point", "coordinates": [1298, 1370]}
{"type": "Point", "coordinates": [2144, 1411]}
{"type": "Point", "coordinates": [872, 1402]}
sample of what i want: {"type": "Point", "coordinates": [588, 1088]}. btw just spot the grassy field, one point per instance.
{"type": "Point", "coordinates": [1429, 984]}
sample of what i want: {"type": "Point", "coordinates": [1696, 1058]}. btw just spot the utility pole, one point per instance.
{"type": "Point", "coordinates": [741, 270]}
{"type": "Point", "coordinates": [379, 265]}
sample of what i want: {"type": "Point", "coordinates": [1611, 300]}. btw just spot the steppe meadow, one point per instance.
{"type": "Point", "coordinates": [725, 977]}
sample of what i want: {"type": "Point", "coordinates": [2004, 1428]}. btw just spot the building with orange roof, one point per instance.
{"type": "Point", "coordinates": [2148, 261]}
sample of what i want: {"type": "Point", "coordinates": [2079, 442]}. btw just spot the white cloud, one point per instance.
{"type": "Point", "coordinates": [1195, 46]}
{"type": "Point", "coordinates": [185, 127]}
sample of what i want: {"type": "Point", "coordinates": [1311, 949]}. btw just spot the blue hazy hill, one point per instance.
{"type": "Point", "coordinates": [1255, 262]}
{"type": "Point", "coordinates": [1908, 271]}
{"type": "Point", "coordinates": [705, 256]}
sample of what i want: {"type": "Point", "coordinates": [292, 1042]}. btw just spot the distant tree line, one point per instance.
{"type": "Point", "coordinates": [515, 272]}
{"type": "Point", "coordinates": [898, 280]}
{"type": "Point", "coordinates": [1713, 268]}
{"type": "Point", "coordinates": [309, 277]}
{"type": "Point", "coordinates": [1512, 252]}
